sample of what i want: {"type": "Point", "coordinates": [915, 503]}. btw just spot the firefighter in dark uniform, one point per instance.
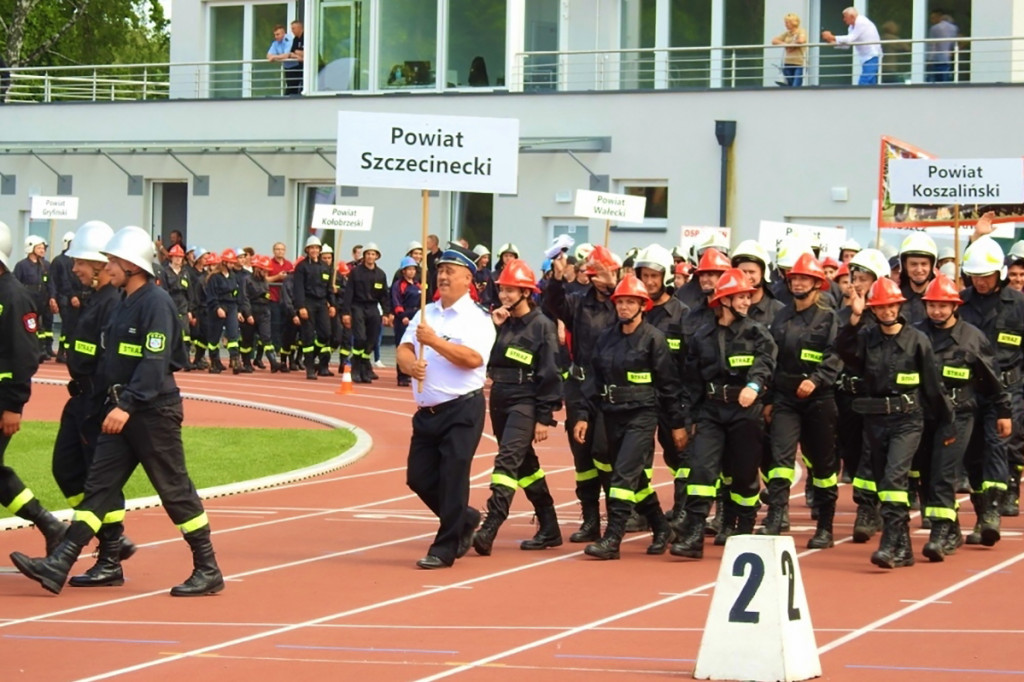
{"type": "Point", "coordinates": [256, 331]}
{"type": "Point", "coordinates": [341, 337]}
{"type": "Point", "coordinates": [866, 267]}
{"type": "Point", "coordinates": [19, 360]}
{"type": "Point", "coordinates": [142, 425]}
{"type": "Point", "coordinates": [998, 311]}
{"type": "Point", "coordinates": [901, 383]}
{"type": "Point", "coordinates": [335, 293]}
{"type": "Point", "coordinates": [68, 292]}
{"type": "Point", "coordinates": [918, 254]}
{"type": "Point", "coordinates": [969, 369]}
{"type": "Point", "coordinates": [632, 378]}
{"type": "Point", "coordinates": [310, 292]}
{"type": "Point", "coordinates": [653, 267]}
{"type": "Point", "coordinates": [367, 289]}
{"type": "Point", "coordinates": [83, 414]}
{"type": "Point", "coordinates": [178, 281]}
{"type": "Point", "coordinates": [223, 301]}
{"type": "Point", "coordinates": [729, 365]}
{"type": "Point", "coordinates": [197, 308]}
{"type": "Point", "coordinates": [33, 272]}
{"type": "Point", "coordinates": [525, 394]}
{"type": "Point", "coordinates": [405, 301]}
{"type": "Point", "coordinates": [801, 404]}
{"type": "Point", "coordinates": [752, 259]}
{"type": "Point", "coordinates": [585, 315]}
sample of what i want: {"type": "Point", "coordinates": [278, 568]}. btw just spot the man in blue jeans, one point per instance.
{"type": "Point", "coordinates": [863, 36]}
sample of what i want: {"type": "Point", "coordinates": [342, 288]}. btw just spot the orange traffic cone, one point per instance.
{"type": "Point", "coordinates": [345, 387]}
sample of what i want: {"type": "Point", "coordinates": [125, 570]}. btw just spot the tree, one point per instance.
{"type": "Point", "coordinates": [64, 32]}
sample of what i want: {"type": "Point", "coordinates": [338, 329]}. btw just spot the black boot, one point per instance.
{"type": "Point", "coordinates": [107, 569]}
{"type": "Point", "coordinates": [774, 520]}
{"type": "Point", "coordinates": [746, 517]}
{"type": "Point", "coordinates": [247, 364]}
{"type": "Point", "coordinates": [548, 533]}
{"type": "Point", "coordinates": [483, 538]}
{"type": "Point", "coordinates": [236, 364]}
{"type": "Point", "coordinates": [608, 546]}
{"type": "Point", "coordinates": [370, 374]}
{"type": "Point", "coordinates": [822, 538]}
{"type": "Point", "coordinates": [206, 577]}
{"type": "Point", "coordinates": [914, 492]}
{"type": "Point", "coordinates": [935, 548]}
{"type": "Point", "coordinates": [690, 543]}
{"type": "Point", "coordinates": [714, 526]}
{"type": "Point", "coordinates": [310, 362]}
{"type": "Point", "coordinates": [590, 529]}
{"type": "Point", "coordinates": [954, 538]}
{"type": "Point", "coordinates": [894, 550]}
{"type": "Point", "coordinates": [867, 523]}
{"type": "Point", "coordinates": [637, 523]}
{"type": "Point", "coordinates": [323, 370]}
{"type": "Point", "coordinates": [729, 519]}
{"type": "Point", "coordinates": [52, 528]}
{"type": "Point", "coordinates": [275, 364]}
{"type": "Point", "coordinates": [52, 570]}
{"type": "Point", "coordinates": [258, 361]}
{"type": "Point", "coordinates": [1009, 504]}
{"type": "Point", "coordinates": [662, 534]}
{"type": "Point", "coordinates": [216, 366]}
{"type": "Point", "coordinates": [989, 517]}
{"type": "Point", "coordinates": [359, 373]}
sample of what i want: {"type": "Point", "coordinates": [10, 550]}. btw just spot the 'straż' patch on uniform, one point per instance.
{"type": "Point", "coordinates": [155, 342]}
{"type": "Point", "coordinates": [30, 322]}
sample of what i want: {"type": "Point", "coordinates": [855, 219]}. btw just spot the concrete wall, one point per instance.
{"type": "Point", "coordinates": [791, 149]}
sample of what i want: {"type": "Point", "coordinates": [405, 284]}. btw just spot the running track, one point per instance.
{"type": "Point", "coordinates": [322, 584]}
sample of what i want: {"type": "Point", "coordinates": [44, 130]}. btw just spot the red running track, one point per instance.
{"type": "Point", "coordinates": [322, 584]}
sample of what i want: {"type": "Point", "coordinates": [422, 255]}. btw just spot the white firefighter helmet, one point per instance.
{"type": "Point", "coordinates": [751, 249]}
{"type": "Point", "coordinates": [873, 261]}
{"type": "Point", "coordinates": [312, 240]}
{"type": "Point", "coordinates": [790, 249]}
{"type": "Point", "coordinates": [984, 257]}
{"type": "Point", "coordinates": [919, 244]}
{"type": "Point", "coordinates": [90, 240]}
{"type": "Point", "coordinates": [655, 257]}
{"type": "Point", "coordinates": [134, 245]}
{"type": "Point", "coordinates": [32, 241]}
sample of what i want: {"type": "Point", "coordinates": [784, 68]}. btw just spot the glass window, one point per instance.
{"type": "Point", "coordinates": [656, 209]}
{"type": "Point", "coordinates": [473, 218]}
{"type": "Point", "coordinates": [541, 72]}
{"type": "Point", "coordinates": [476, 43]}
{"type": "Point", "coordinates": [408, 44]}
{"type": "Point", "coordinates": [954, 64]}
{"type": "Point", "coordinates": [311, 196]}
{"type": "Point", "coordinates": [637, 24]}
{"type": "Point", "coordinates": [690, 27]}
{"type": "Point", "coordinates": [227, 36]}
{"type": "Point", "coordinates": [266, 76]}
{"type": "Point", "coordinates": [343, 57]}
{"type": "Point", "coordinates": [744, 25]}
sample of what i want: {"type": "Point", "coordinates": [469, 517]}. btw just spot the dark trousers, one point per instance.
{"type": "Point", "coordinates": [256, 334]}
{"type": "Point", "coordinates": [365, 330]}
{"type": "Point", "coordinates": [293, 80]}
{"type": "Point", "coordinates": [988, 456]}
{"type": "Point", "coordinates": [516, 464]}
{"type": "Point", "coordinates": [315, 330]}
{"type": "Point", "coordinates": [75, 447]}
{"type": "Point", "coordinates": [728, 442]}
{"type": "Point", "coordinates": [810, 424]}
{"type": "Point", "coordinates": [939, 458]}
{"type": "Point", "coordinates": [152, 438]}
{"type": "Point", "coordinates": [592, 452]}
{"type": "Point", "coordinates": [849, 430]}
{"type": "Point", "coordinates": [68, 320]}
{"type": "Point", "coordinates": [278, 320]}
{"type": "Point", "coordinates": [226, 326]}
{"type": "Point", "coordinates": [441, 451]}
{"type": "Point", "coordinates": [11, 486]}
{"type": "Point", "coordinates": [890, 442]}
{"type": "Point", "coordinates": [630, 436]}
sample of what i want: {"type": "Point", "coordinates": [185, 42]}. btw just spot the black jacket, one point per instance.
{"type": "Point", "coordinates": [669, 318]}
{"type": "Point", "coordinates": [735, 355]}
{"type": "Point", "coordinates": [311, 280]}
{"type": "Point", "coordinates": [585, 318]}
{"type": "Point", "coordinates": [366, 288]}
{"type": "Point", "coordinates": [85, 349]}
{"type": "Point", "coordinates": [806, 350]}
{"type": "Point", "coordinates": [529, 344]}
{"type": "Point", "coordinates": [1000, 317]}
{"type": "Point", "coordinates": [19, 346]}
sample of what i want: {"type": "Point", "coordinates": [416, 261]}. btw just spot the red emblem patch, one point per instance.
{"type": "Point", "coordinates": [31, 323]}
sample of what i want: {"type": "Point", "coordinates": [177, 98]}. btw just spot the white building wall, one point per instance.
{"type": "Point", "coordinates": [792, 147]}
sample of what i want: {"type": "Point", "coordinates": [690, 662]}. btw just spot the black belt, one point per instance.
{"type": "Point", "coordinates": [961, 397]}
{"type": "Point", "coordinates": [441, 407]}
{"type": "Point", "coordinates": [510, 375]}
{"type": "Point", "coordinates": [850, 384]}
{"type": "Point", "coordinates": [77, 387]}
{"type": "Point", "coordinates": [1010, 376]}
{"type": "Point", "coordinates": [576, 372]}
{"type": "Point", "coordinates": [626, 394]}
{"type": "Point", "coordinates": [893, 404]}
{"type": "Point", "coordinates": [723, 392]}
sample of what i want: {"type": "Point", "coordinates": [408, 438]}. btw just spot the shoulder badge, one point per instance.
{"type": "Point", "coordinates": [30, 322]}
{"type": "Point", "coordinates": [155, 342]}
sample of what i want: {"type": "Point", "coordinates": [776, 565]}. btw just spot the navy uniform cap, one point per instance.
{"type": "Point", "coordinates": [458, 255]}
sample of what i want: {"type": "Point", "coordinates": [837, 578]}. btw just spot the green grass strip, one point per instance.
{"type": "Point", "coordinates": [213, 455]}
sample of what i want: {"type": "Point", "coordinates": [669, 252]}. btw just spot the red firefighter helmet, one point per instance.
{"type": "Point", "coordinates": [632, 286]}
{"type": "Point", "coordinates": [176, 250]}
{"type": "Point", "coordinates": [942, 290]}
{"type": "Point", "coordinates": [516, 273]}
{"type": "Point", "coordinates": [713, 260]}
{"type": "Point", "coordinates": [229, 256]}
{"type": "Point", "coordinates": [212, 258]}
{"type": "Point", "coordinates": [807, 266]}
{"type": "Point", "coordinates": [885, 292]}
{"type": "Point", "coordinates": [344, 269]}
{"type": "Point", "coordinates": [843, 271]}
{"type": "Point", "coordinates": [604, 257]}
{"type": "Point", "coordinates": [732, 282]}
{"type": "Point", "coordinates": [261, 262]}
{"type": "Point", "coordinates": [683, 268]}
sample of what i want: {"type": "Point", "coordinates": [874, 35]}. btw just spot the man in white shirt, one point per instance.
{"type": "Point", "coordinates": [456, 335]}
{"type": "Point", "coordinates": [863, 36]}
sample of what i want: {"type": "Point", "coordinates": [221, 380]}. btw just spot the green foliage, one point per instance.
{"type": "Point", "coordinates": [214, 456]}
{"type": "Point", "coordinates": [72, 32]}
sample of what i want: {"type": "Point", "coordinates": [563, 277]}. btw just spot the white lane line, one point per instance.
{"type": "Point", "coordinates": [871, 627]}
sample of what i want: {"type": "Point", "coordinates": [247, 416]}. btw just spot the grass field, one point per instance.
{"type": "Point", "coordinates": [214, 456]}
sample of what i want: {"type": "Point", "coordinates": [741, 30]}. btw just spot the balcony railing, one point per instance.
{"type": "Point", "coordinates": [975, 60]}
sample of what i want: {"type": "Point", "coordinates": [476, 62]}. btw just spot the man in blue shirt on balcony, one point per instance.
{"type": "Point", "coordinates": [939, 56]}
{"type": "Point", "coordinates": [281, 51]}
{"type": "Point", "coordinates": [863, 35]}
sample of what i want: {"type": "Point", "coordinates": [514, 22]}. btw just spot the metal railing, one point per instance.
{"type": "Point", "coordinates": [976, 60]}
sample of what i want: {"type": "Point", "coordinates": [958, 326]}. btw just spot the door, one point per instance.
{"type": "Point", "coordinates": [170, 210]}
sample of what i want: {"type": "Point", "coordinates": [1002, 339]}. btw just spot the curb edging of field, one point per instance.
{"type": "Point", "coordinates": [359, 449]}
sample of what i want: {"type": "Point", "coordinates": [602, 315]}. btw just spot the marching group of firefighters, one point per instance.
{"type": "Point", "coordinates": [886, 374]}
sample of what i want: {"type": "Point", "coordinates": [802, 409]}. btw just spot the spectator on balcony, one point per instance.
{"type": "Point", "coordinates": [939, 56]}
{"type": "Point", "coordinates": [795, 59]}
{"type": "Point", "coordinates": [895, 55]}
{"type": "Point", "coordinates": [281, 50]}
{"type": "Point", "coordinates": [293, 69]}
{"type": "Point", "coordinates": [863, 36]}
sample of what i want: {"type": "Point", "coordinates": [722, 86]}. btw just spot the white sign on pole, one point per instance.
{"type": "Point", "coordinates": [829, 238]}
{"type": "Point", "coordinates": [956, 181]}
{"type": "Point", "coordinates": [622, 208]}
{"type": "Point", "coordinates": [410, 151]}
{"type": "Point", "coordinates": [698, 234]}
{"type": "Point", "coordinates": [54, 208]}
{"type": "Point", "coordinates": [330, 217]}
